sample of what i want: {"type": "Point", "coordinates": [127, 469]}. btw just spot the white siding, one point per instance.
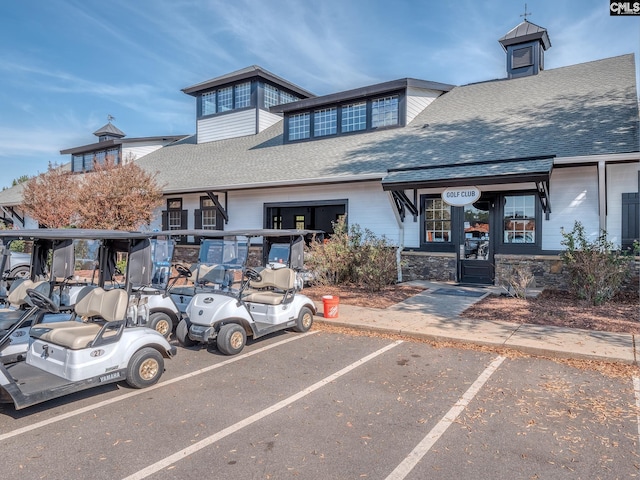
{"type": "Point", "coordinates": [574, 196]}
{"type": "Point", "coordinates": [367, 205]}
{"type": "Point", "coordinates": [136, 151]}
{"type": "Point", "coordinates": [266, 119]}
{"type": "Point", "coordinates": [621, 178]}
{"type": "Point", "coordinates": [230, 125]}
{"type": "Point", "coordinates": [417, 100]}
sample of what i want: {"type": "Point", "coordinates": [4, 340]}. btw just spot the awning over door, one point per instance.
{"type": "Point", "coordinates": [518, 170]}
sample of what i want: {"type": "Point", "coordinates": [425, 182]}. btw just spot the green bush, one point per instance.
{"type": "Point", "coordinates": [353, 256]}
{"type": "Point", "coordinates": [596, 268]}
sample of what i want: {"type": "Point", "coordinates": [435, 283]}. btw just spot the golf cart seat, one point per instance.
{"type": "Point", "coordinates": [97, 307]}
{"type": "Point", "coordinates": [275, 287]}
{"type": "Point", "coordinates": [19, 299]}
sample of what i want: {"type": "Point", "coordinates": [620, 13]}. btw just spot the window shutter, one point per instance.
{"type": "Point", "coordinates": [630, 219]}
{"type": "Point", "coordinates": [219, 222]}
{"type": "Point", "coordinates": [197, 219]}
{"type": "Point", "coordinates": [184, 218]}
{"type": "Point", "coordinates": [165, 220]}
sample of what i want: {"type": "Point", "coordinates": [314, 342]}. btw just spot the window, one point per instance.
{"type": "Point", "coordinates": [85, 162]}
{"type": "Point", "coordinates": [519, 219]}
{"type": "Point", "coordinates": [225, 99]}
{"type": "Point", "coordinates": [384, 112]}
{"type": "Point", "coordinates": [243, 95]}
{"type": "Point", "coordinates": [276, 221]}
{"type": "Point", "coordinates": [299, 126]}
{"type": "Point", "coordinates": [354, 117]}
{"type": "Point", "coordinates": [174, 214]}
{"type": "Point", "coordinates": [437, 220]}
{"type": "Point", "coordinates": [522, 57]}
{"type": "Point", "coordinates": [208, 103]}
{"type": "Point", "coordinates": [299, 221]}
{"type": "Point", "coordinates": [270, 95]}
{"type": "Point", "coordinates": [208, 214]}
{"type": "Point", "coordinates": [325, 122]}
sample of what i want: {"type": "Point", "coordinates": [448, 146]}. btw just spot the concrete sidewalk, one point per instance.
{"type": "Point", "coordinates": [435, 314]}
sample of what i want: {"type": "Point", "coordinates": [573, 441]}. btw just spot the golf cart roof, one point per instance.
{"type": "Point", "coordinates": [73, 233]}
{"type": "Point", "coordinates": [265, 232]}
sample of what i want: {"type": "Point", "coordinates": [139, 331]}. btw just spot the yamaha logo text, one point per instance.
{"type": "Point", "coordinates": [623, 8]}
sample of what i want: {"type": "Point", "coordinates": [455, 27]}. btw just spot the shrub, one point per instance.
{"type": "Point", "coordinates": [597, 270]}
{"type": "Point", "coordinates": [517, 280]}
{"type": "Point", "coordinates": [353, 255]}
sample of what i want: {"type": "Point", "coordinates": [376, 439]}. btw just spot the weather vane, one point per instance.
{"type": "Point", "coordinates": [111, 117]}
{"type": "Point", "coordinates": [525, 14]}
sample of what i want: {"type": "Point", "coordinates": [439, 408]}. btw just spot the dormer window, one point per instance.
{"type": "Point", "coordinates": [275, 96]}
{"type": "Point", "coordinates": [225, 99]}
{"type": "Point", "coordinates": [325, 122]}
{"type": "Point", "coordinates": [384, 112]}
{"type": "Point", "coordinates": [345, 119]}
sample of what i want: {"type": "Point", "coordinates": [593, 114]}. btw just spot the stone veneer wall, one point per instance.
{"type": "Point", "coordinates": [548, 270]}
{"type": "Point", "coordinates": [440, 267]}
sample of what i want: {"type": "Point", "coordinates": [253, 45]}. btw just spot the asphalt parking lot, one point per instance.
{"type": "Point", "coordinates": [333, 405]}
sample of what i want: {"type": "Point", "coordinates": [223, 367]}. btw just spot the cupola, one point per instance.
{"type": "Point", "coordinates": [109, 132]}
{"type": "Point", "coordinates": [525, 45]}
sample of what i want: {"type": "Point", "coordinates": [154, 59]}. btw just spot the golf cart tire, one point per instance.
{"type": "Point", "coordinates": [162, 323]}
{"type": "Point", "coordinates": [304, 320]}
{"type": "Point", "coordinates": [20, 272]}
{"type": "Point", "coordinates": [145, 368]}
{"type": "Point", "coordinates": [231, 339]}
{"type": "Point", "coordinates": [182, 333]}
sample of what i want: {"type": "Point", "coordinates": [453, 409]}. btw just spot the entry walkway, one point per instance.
{"type": "Point", "coordinates": [436, 314]}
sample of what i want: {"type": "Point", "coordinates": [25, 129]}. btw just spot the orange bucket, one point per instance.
{"type": "Point", "coordinates": [330, 306]}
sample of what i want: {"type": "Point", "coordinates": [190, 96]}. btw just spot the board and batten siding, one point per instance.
{"type": "Point", "coordinates": [229, 125]}
{"type": "Point", "coordinates": [574, 197]}
{"type": "Point", "coordinates": [621, 178]}
{"type": "Point", "coordinates": [417, 100]}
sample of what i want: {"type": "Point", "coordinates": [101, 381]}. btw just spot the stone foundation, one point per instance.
{"type": "Point", "coordinates": [548, 270]}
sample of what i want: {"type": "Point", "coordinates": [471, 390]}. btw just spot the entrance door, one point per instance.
{"type": "Point", "coordinates": [476, 250]}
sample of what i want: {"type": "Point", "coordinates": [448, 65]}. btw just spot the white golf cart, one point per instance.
{"type": "Point", "coordinates": [105, 339]}
{"type": "Point", "coordinates": [267, 298]}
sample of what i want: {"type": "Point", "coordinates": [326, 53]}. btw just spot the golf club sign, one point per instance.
{"type": "Point", "coordinates": [460, 196]}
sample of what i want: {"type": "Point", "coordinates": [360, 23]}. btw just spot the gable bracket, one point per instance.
{"type": "Point", "coordinates": [14, 214]}
{"type": "Point", "coordinates": [543, 193]}
{"type": "Point", "coordinates": [403, 203]}
{"type": "Point", "coordinates": [219, 206]}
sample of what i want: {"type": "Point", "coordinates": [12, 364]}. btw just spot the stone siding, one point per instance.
{"type": "Point", "coordinates": [429, 266]}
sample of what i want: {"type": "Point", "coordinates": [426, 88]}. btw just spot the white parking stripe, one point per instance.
{"type": "Point", "coordinates": [134, 393]}
{"type": "Point", "coordinates": [436, 432]}
{"type": "Point", "coordinates": [636, 389]}
{"type": "Point", "coordinates": [156, 467]}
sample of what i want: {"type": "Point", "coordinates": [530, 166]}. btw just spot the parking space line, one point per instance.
{"type": "Point", "coordinates": [636, 389]}
{"type": "Point", "coordinates": [402, 470]}
{"type": "Point", "coordinates": [170, 460]}
{"type": "Point", "coordinates": [134, 393]}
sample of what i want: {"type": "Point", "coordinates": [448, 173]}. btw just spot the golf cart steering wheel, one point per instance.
{"type": "Point", "coordinates": [182, 270]}
{"type": "Point", "coordinates": [42, 301]}
{"type": "Point", "coordinates": [253, 275]}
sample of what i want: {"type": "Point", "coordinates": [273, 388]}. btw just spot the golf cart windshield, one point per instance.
{"type": "Point", "coordinates": [161, 255]}
{"type": "Point", "coordinates": [220, 261]}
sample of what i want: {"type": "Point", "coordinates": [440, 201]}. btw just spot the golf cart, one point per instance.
{"type": "Point", "coordinates": [267, 299]}
{"type": "Point", "coordinates": [104, 339]}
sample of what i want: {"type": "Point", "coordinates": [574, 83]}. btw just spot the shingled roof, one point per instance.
{"type": "Point", "coordinates": [579, 110]}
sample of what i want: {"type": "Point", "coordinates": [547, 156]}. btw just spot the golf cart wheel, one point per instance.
{"type": "Point", "coordinates": [145, 368]}
{"type": "Point", "coordinates": [182, 333]}
{"type": "Point", "coordinates": [231, 339]}
{"type": "Point", "coordinates": [20, 272]}
{"type": "Point", "coordinates": [304, 320]}
{"type": "Point", "coordinates": [162, 323]}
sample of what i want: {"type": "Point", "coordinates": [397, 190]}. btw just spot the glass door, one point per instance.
{"type": "Point", "coordinates": [476, 250]}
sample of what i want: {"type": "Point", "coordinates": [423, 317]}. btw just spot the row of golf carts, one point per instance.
{"type": "Point", "coordinates": [100, 306]}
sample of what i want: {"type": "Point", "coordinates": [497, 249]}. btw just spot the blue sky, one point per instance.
{"type": "Point", "coordinates": [67, 64]}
